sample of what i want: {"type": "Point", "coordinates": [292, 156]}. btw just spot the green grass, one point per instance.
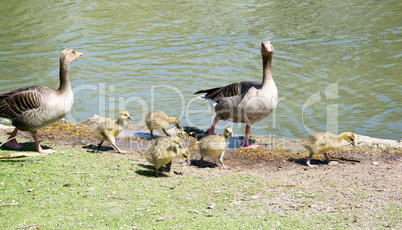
{"type": "Point", "coordinates": [74, 188]}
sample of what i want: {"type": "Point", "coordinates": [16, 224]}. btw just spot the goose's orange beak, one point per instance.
{"type": "Point", "coordinates": [78, 54]}
{"type": "Point", "coordinates": [269, 48]}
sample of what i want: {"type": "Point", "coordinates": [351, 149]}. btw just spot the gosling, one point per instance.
{"type": "Point", "coordinates": [108, 129]}
{"type": "Point", "coordinates": [159, 120]}
{"type": "Point", "coordinates": [322, 143]}
{"type": "Point", "coordinates": [215, 145]}
{"type": "Point", "coordinates": [163, 150]}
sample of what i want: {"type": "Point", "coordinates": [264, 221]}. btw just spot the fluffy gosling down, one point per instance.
{"type": "Point", "coordinates": [163, 150]}
{"type": "Point", "coordinates": [322, 143]}
{"type": "Point", "coordinates": [108, 129]}
{"type": "Point", "coordinates": [215, 145]}
{"type": "Point", "coordinates": [159, 120]}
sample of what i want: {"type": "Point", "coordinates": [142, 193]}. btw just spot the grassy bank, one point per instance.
{"type": "Point", "coordinates": [79, 189]}
{"type": "Point", "coordinates": [264, 189]}
{"type": "Point", "coordinates": [75, 188]}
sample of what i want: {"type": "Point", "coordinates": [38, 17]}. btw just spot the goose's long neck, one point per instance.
{"type": "Point", "coordinates": [64, 78]}
{"type": "Point", "coordinates": [266, 65]}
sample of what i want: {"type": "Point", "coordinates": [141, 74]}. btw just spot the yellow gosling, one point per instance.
{"type": "Point", "coordinates": [163, 150]}
{"type": "Point", "coordinates": [159, 120]}
{"type": "Point", "coordinates": [215, 145]}
{"type": "Point", "coordinates": [108, 129]}
{"type": "Point", "coordinates": [322, 143]}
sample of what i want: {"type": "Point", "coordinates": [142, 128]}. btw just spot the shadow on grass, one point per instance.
{"type": "Point", "coordinates": [94, 148]}
{"type": "Point", "coordinates": [149, 171]}
{"type": "Point", "coordinates": [303, 161]}
{"type": "Point", "coordinates": [26, 147]}
{"type": "Point", "coordinates": [206, 164]}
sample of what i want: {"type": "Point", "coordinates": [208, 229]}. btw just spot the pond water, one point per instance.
{"type": "Point", "coordinates": [337, 64]}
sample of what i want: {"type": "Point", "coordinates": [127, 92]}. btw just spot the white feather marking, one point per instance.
{"type": "Point", "coordinates": [211, 102]}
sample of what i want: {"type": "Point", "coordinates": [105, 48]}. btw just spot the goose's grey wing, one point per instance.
{"type": "Point", "coordinates": [13, 104]}
{"type": "Point", "coordinates": [232, 90]}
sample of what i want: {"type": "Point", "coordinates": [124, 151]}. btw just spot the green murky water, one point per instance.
{"type": "Point", "coordinates": [337, 64]}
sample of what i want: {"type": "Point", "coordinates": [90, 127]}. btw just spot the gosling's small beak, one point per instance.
{"type": "Point", "coordinates": [78, 54]}
{"type": "Point", "coordinates": [353, 143]}
{"type": "Point", "coordinates": [188, 161]}
{"type": "Point", "coordinates": [129, 118]}
{"type": "Point", "coordinates": [181, 146]}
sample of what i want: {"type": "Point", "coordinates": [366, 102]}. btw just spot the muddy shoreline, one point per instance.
{"type": "Point", "coordinates": [275, 152]}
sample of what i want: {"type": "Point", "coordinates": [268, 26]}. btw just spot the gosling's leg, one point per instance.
{"type": "Point", "coordinates": [156, 171]}
{"type": "Point", "coordinates": [100, 145]}
{"type": "Point", "coordinates": [112, 140]}
{"type": "Point", "coordinates": [152, 134]}
{"type": "Point", "coordinates": [202, 162]}
{"type": "Point", "coordinates": [117, 148]}
{"type": "Point", "coordinates": [327, 158]}
{"type": "Point", "coordinates": [169, 167]}
{"type": "Point", "coordinates": [167, 134]}
{"type": "Point", "coordinates": [221, 159]}
{"type": "Point", "coordinates": [308, 160]}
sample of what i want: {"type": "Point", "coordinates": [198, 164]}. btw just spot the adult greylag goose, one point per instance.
{"type": "Point", "coordinates": [159, 120]}
{"type": "Point", "coordinates": [246, 102]}
{"type": "Point", "coordinates": [33, 108]}
{"type": "Point", "coordinates": [163, 150]}
{"type": "Point", "coordinates": [215, 145]}
{"type": "Point", "coordinates": [108, 129]}
{"type": "Point", "coordinates": [322, 143]}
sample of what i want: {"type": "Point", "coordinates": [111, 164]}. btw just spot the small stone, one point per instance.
{"type": "Point", "coordinates": [211, 206]}
{"type": "Point", "coordinates": [160, 219]}
{"type": "Point", "coordinates": [333, 163]}
{"type": "Point", "coordinates": [374, 163]}
{"type": "Point", "coordinates": [209, 215]}
{"type": "Point", "coordinates": [194, 211]}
